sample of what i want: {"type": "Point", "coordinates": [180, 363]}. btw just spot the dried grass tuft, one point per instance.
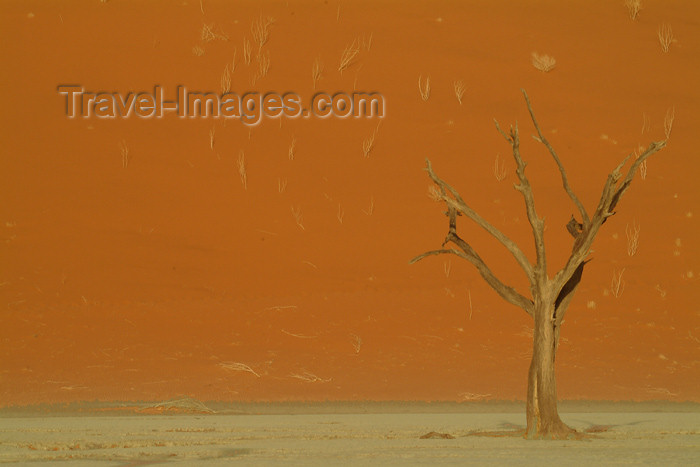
{"type": "Point", "coordinates": [226, 80]}
{"type": "Point", "coordinates": [309, 377]}
{"type": "Point", "coordinates": [242, 170]}
{"type": "Point", "coordinates": [459, 90]}
{"type": "Point", "coordinates": [317, 71]}
{"type": "Point", "coordinates": [424, 87]}
{"type": "Point", "coordinates": [668, 121]}
{"type": "Point", "coordinates": [260, 29]}
{"type": "Point", "coordinates": [617, 285]}
{"type": "Point", "coordinates": [633, 8]}
{"type": "Point", "coordinates": [296, 212]}
{"type": "Point", "coordinates": [124, 150]}
{"type": "Point", "coordinates": [349, 56]}
{"type": "Point", "coordinates": [368, 144]}
{"type": "Point", "coordinates": [665, 34]}
{"type": "Point", "coordinates": [499, 169]}
{"type": "Point", "coordinates": [370, 210]}
{"type": "Point", "coordinates": [543, 63]}
{"type": "Point", "coordinates": [292, 148]}
{"type": "Point", "coordinates": [632, 238]}
{"type": "Point", "coordinates": [237, 366]}
{"type": "Point", "coordinates": [247, 49]}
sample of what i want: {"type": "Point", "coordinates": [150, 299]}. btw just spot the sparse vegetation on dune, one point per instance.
{"type": "Point", "coordinates": [633, 8]}
{"type": "Point", "coordinates": [349, 56]}
{"type": "Point", "coordinates": [125, 231]}
{"type": "Point", "coordinates": [316, 71]}
{"type": "Point", "coordinates": [226, 80]}
{"type": "Point", "coordinates": [370, 210]}
{"type": "Point", "coordinates": [238, 366]}
{"type": "Point", "coordinates": [368, 144]}
{"type": "Point", "coordinates": [340, 214]}
{"type": "Point", "coordinates": [666, 39]}
{"type": "Point", "coordinates": [424, 87]}
{"type": "Point", "coordinates": [292, 148]}
{"type": "Point", "coordinates": [260, 29]}
{"type": "Point", "coordinates": [367, 42]}
{"type": "Point", "coordinates": [499, 168]}
{"type": "Point", "coordinates": [298, 218]}
{"type": "Point", "coordinates": [247, 51]}
{"type": "Point", "coordinates": [242, 169]}
{"type": "Point", "coordinates": [668, 121]}
{"type": "Point", "coordinates": [124, 150]}
{"type": "Point", "coordinates": [632, 238]}
{"type": "Point", "coordinates": [543, 63]}
{"type": "Point", "coordinates": [459, 90]}
{"type": "Point", "coordinates": [617, 284]}
{"type": "Point", "coordinates": [263, 67]}
{"type": "Point", "coordinates": [208, 34]}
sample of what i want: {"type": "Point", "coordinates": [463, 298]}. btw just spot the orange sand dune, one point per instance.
{"type": "Point", "coordinates": [162, 276]}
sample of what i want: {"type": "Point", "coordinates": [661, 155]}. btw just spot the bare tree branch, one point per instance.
{"type": "Point", "coordinates": [610, 197]}
{"type": "Point", "coordinates": [653, 148]}
{"type": "Point", "coordinates": [448, 251]}
{"type": "Point", "coordinates": [564, 178]}
{"type": "Point", "coordinates": [526, 189]}
{"type": "Point", "coordinates": [453, 209]}
{"type": "Point", "coordinates": [458, 204]}
{"type": "Point", "coordinates": [565, 282]}
{"type": "Point", "coordinates": [507, 293]}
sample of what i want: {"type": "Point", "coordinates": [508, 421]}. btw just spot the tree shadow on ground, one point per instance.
{"type": "Point", "coordinates": [514, 430]}
{"type": "Point", "coordinates": [594, 428]}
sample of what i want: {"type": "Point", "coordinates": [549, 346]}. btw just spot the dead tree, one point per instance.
{"type": "Point", "coordinates": [549, 297]}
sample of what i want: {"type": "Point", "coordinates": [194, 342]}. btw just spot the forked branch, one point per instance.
{"type": "Point", "coordinates": [613, 191]}
{"type": "Point", "coordinates": [565, 181]}
{"type": "Point", "coordinates": [508, 293]}
{"type": "Point", "coordinates": [456, 202]}
{"type": "Point", "coordinates": [456, 205]}
{"type": "Point", "coordinates": [653, 148]}
{"type": "Point", "coordinates": [525, 189]}
{"type": "Point", "coordinates": [566, 281]}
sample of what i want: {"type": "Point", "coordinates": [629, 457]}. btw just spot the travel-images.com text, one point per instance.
{"type": "Point", "coordinates": [250, 107]}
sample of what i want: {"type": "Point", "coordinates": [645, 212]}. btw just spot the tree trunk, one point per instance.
{"type": "Point", "coordinates": [542, 415]}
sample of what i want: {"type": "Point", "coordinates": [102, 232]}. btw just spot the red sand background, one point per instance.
{"type": "Point", "coordinates": [138, 283]}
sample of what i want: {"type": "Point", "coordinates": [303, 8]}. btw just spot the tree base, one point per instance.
{"type": "Point", "coordinates": [558, 430]}
{"type": "Point", "coordinates": [565, 434]}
